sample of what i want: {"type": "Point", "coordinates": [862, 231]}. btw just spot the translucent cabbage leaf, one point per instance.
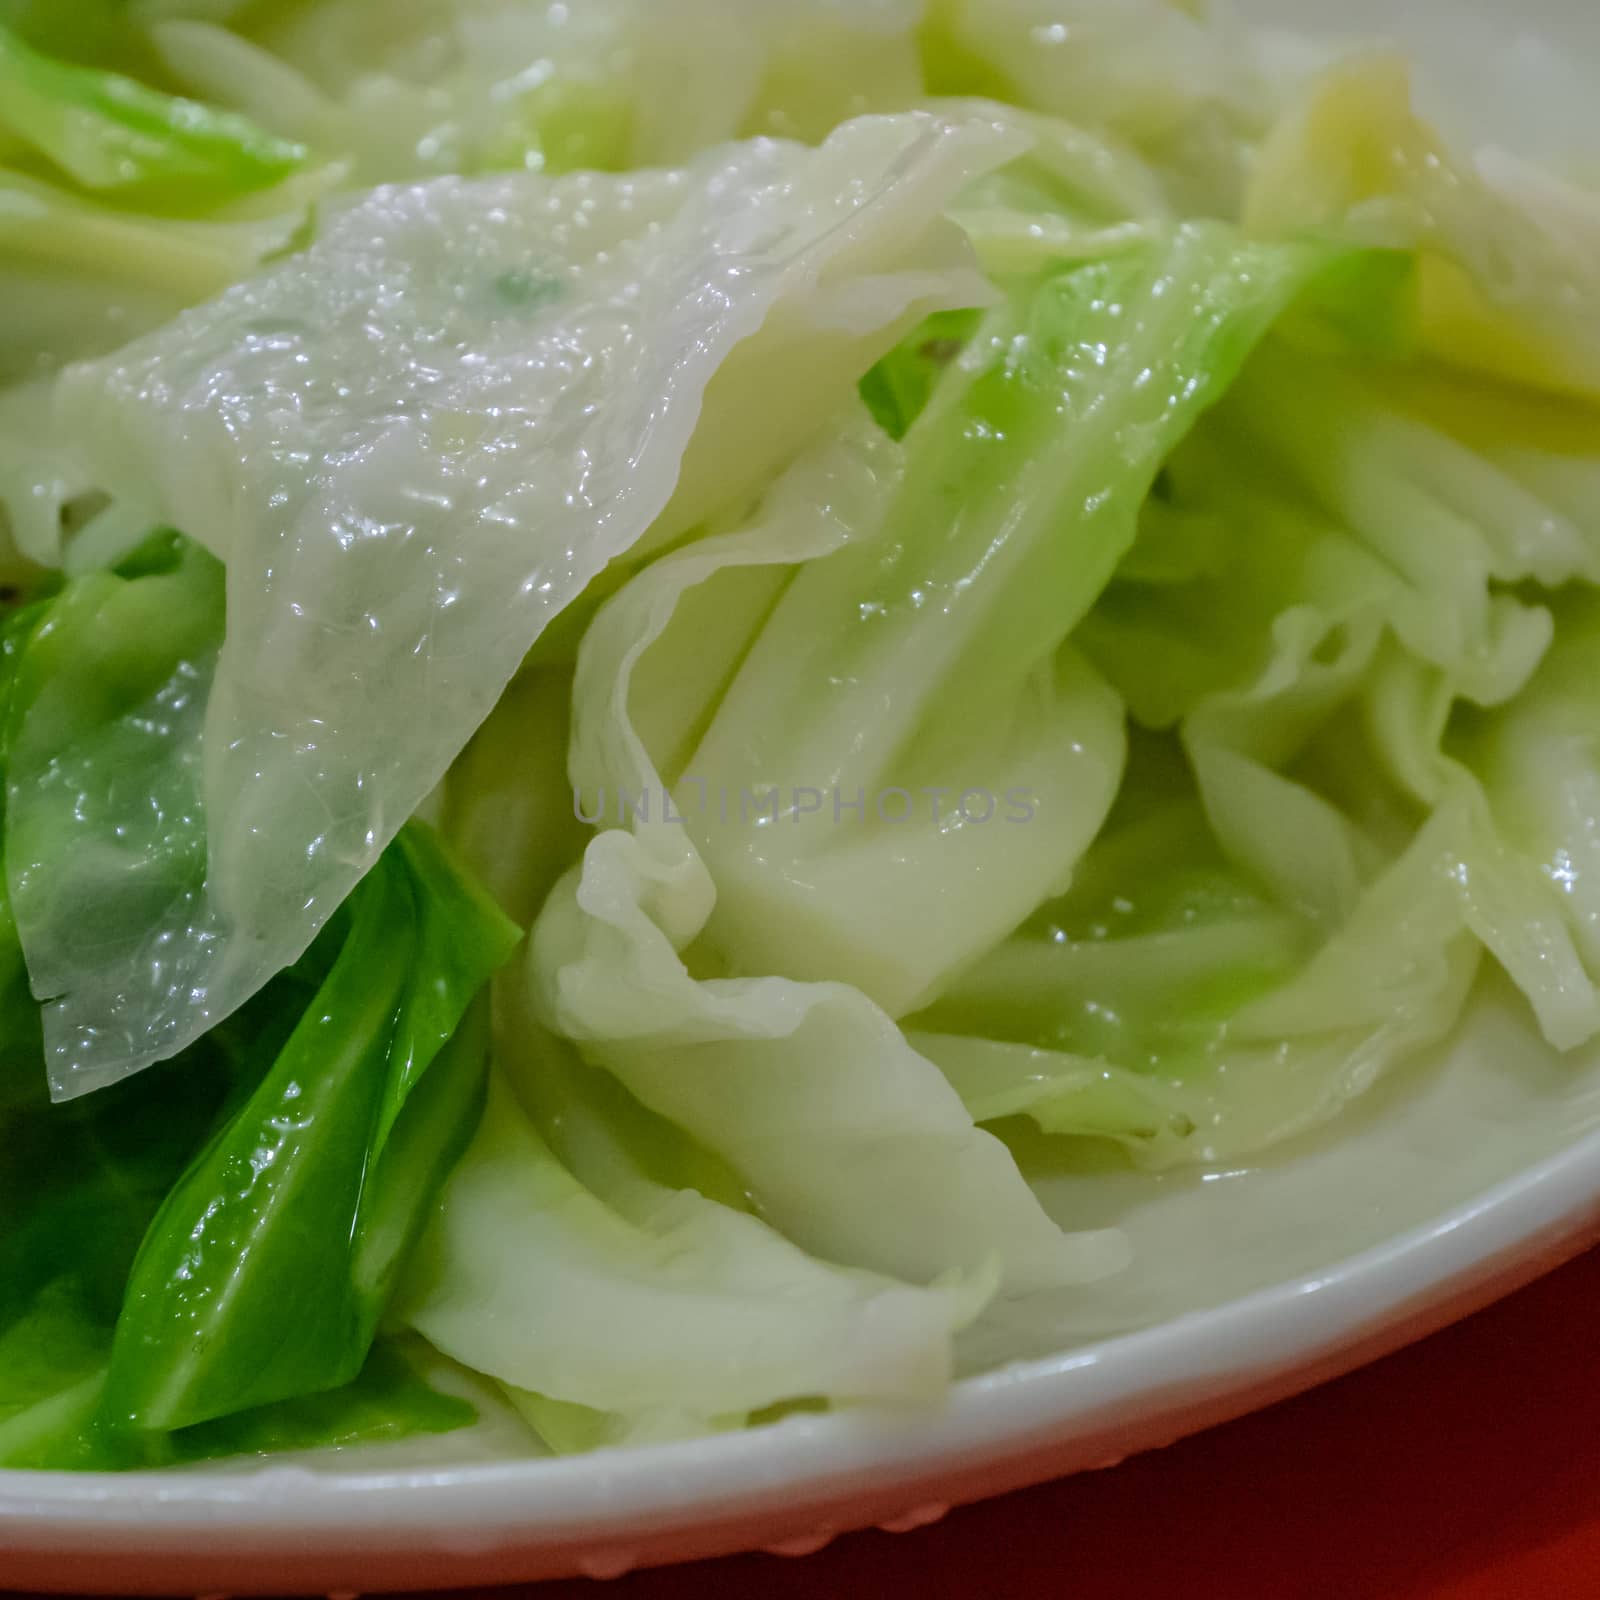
{"type": "Point", "coordinates": [1077, 194]}
{"type": "Point", "coordinates": [471, 86]}
{"type": "Point", "coordinates": [1185, 1012]}
{"type": "Point", "coordinates": [919, 676]}
{"type": "Point", "coordinates": [1372, 515]}
{"type": "Point", "coordinates": [1536, 760]}
{"type": "Point", "coordinates": [416, 503]}
{"type": "Point", "coordinates": [1430, 535]}
{"type": "Point", "coordinates": [1295, 895]}
{"type": "Point", "coordinates": [507, 808]}
{"type": "Point", "coordinates": [1509, 282]}
{"type": "Point", "coordinates": [103, 749]}
{"type": "Point", "coordinates": [540, 1269]}
{"type": "Point", "coordinates": [923, 657]}
{"type": "Point", "coordinates": [1181, 81]}
{"type": "Point", "coordinates": [277, 1174]}
{"type": "Point", "coordinates": [39, 479]}
{"type": "Point", "coordinates": [1530, 777]}
{"type": "Point", "coordinates": [1142, 67]}
{"type": "Point", "coordinates": [111, 133]}
{"type": "Point", "coordinates": [851, 1143]}
{"type": "Point", "coordinates": [81, 277]}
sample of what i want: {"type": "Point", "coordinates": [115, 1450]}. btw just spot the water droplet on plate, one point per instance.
{"type": "Point", "coordinates": [917, 1517]}
{"type": "Point", "coordinates": [605, 1564]}
{"type": "Point", "coordinates": [803, 1544]}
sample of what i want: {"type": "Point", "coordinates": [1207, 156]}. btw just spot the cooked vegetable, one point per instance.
{"type": "Point", "coordinates": [227, 1234]}
{"type": "Point", "coordinates": [950, 563]}
{"type": "Point", "coordinates": [430, 490]}
{"type": "Point", "coordinates": [108, 132]}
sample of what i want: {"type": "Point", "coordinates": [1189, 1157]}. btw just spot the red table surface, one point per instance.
{"type": "Point", "coordinates": [1464, 1468]}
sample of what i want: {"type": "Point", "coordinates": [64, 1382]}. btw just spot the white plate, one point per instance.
{"type": "Point", "coordinates": [1448, 1186]}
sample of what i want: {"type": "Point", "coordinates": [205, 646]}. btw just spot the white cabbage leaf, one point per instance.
{"type": "Point", "coordinates": [414, 444]}
{"type": "Point", "coordinates": [850, 1141]}
{"type": "Point", "coordinates": [469, 86]}
{"type": "Point", "coordinates": [544, 1281]}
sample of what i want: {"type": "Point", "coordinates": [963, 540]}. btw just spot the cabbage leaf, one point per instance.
{"type": "Point", "coordinates": [412, 508]}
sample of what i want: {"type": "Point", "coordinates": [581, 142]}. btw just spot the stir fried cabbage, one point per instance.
{"type": "Point", "coordinates": [636, 637]}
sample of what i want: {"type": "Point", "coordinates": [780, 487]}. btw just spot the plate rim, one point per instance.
{"type": "Point", "coordinates": [792, 1485]}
